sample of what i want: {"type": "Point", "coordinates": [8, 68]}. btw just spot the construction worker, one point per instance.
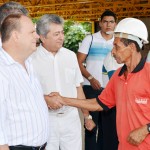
{"type": "Point", "coordinates": [128, 88]}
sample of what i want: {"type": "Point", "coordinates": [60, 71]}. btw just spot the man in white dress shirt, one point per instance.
{"type": "Point", "coordinates": [58, 71]}
{"type": "Point", "coordinates": [23, 111]}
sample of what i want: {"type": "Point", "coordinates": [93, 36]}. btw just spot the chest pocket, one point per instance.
{"type": "Point", "coordinates": [70, 75]}
{"type": "Point", "coordinates": [141, 101]}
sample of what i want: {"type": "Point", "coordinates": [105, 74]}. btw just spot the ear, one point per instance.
{"type": "Point", "coordinates": [133, 47]}
{"type": "Point", "coordinates": [42, 38]}
{"type": "Point", "coordinates": [15, 35]}
{"type": "Point", "coordinates": [100, 24]}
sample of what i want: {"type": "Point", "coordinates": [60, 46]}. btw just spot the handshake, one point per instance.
{"type": "Point", "coordinates": [54, 100]}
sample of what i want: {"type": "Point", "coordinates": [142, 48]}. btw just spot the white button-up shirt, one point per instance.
{"type": "Point", "coordinates": [59, 73]}
{"type": "Point", "coordinates": [23, 111]}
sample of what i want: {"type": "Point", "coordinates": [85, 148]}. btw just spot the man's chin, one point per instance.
{"type": "Point", "coordinates": [33, 50]}
{"type": "Point", "coordinates": [118, 61]}
{"type": "Point", "coordinates": [60, 46]}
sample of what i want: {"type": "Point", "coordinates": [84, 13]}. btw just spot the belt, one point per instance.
{"type": "Point", "coordinates": [60, 114]}
{"type": "Point", "coordinates": [23, 147]}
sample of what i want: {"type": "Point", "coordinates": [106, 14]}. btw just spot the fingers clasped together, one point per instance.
{"type": "Point", "coordinates": [54, 100]}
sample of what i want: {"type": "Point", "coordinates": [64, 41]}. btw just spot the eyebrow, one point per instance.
{"type": "Point", "coordinates": [109, 20]}
{"type": "Point", "coordinates": [59, 31]}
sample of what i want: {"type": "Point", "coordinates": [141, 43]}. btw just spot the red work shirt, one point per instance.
{"type": "Point", "coordinates": [131, 96]}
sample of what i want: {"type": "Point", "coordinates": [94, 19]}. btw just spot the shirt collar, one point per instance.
{"type": "Point", "coordinates": [46, 52]}
{"type": "Point", "coordinates": [136, 69]}
{"type": "Point", "coordinates": [100, 36]}
{"type": "Point", "coordinates": [7, 59]}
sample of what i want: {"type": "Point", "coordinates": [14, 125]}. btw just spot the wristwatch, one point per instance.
{"type": "Point", "coordinates": [148, 127]}
{"type": "Point", "coordinates": [88, 117]}
{"type": "Point", "coordinates": [90, 77]}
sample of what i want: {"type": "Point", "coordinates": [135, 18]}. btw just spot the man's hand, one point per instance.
{"type": "Point", "coordinates": [138, 135]}
{"type": "Point", "coordinates": [89, 124]}
{"type": "Point", "coordinates": [54, 100]}
{"type": "Point", "coordinates": [54, 94]}
{"type": "Point", "coordinates": [95, 84]}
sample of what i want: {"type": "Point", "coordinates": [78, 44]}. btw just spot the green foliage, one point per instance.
{"type": "Point", "coordinates": [87, 26]}
{"type": "Point", "coordinates": [67, 25]}
{"type": "Point", "coordinates": [34, 20]}
{"type": "Point", "coordinates": [74, 34]}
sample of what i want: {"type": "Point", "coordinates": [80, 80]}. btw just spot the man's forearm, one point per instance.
{"type": "Point", "coordinates": [85, 112]}
{"type": "Point", "coordinates": [81, 95]}
{"type": "Point", "coordinates": [89, 104]}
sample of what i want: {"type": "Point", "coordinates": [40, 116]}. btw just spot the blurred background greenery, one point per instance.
{"type": "Point", "coordinates": [75, 32]}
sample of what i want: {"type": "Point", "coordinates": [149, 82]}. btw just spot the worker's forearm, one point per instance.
{"type": "Point", "coordinates": [89, 104]}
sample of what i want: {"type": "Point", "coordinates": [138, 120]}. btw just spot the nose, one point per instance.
{"type": "Point", "coordinates": [61, 36]}
{"type": "Point", "coordinates": [113, 51]}
{"type": "Point", "coordinates": [108, 23]}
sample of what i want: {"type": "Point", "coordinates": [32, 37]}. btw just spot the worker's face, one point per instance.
{"type": "Point", "coordinates": [107, 24]}
{"type": "Point", "coordinates": [120, 52]}
{"type": "Point", "coordinates": [54, 39]}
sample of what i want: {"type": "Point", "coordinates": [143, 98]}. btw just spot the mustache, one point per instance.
{"type": "Point", "coordinates": [113, 55]}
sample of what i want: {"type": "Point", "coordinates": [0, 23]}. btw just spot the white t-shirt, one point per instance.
{"type": "Point", "coordinates": [59, 73]}
{"type": "Point", "coordinates": [98, 51]}
{"type": "Point", "coordinates": [109, 67]}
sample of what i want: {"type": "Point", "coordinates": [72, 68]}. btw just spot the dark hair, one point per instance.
{"type": "Point", "coordinates": [127, 42]}
{"type": "Point", "coordinates": [10, 8]}
{"type": "Point", "coordinates": [10, 23]}
{"type": "Point", "coordinates": [108, 13]}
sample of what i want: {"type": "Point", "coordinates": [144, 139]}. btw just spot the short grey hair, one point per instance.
{"type": "Point", "coordinates": [43, 25]}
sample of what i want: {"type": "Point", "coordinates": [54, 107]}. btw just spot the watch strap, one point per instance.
{"type": "Point", "coordinates": [148, 127]}
{"type": "Point", "coordinates": [90, 77]}
{"type": "Point", "coordinates": [88, 117]}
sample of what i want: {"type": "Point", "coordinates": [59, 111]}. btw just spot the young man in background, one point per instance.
{"type": "Point", "coordinates": [92, 51]}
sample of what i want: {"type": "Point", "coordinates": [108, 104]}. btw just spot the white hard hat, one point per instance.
{"type": "Point", "coordinates": [133, 27]}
